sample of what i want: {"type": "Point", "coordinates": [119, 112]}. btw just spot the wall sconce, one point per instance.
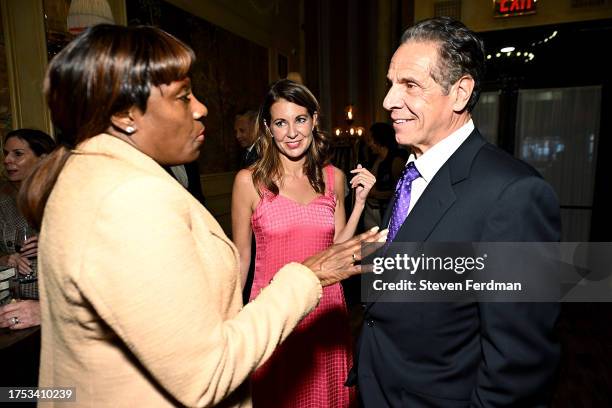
{"type": "Point", "coordinates": [87, 13]}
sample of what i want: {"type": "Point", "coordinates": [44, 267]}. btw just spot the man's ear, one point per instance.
{"type": "Point", "coordinates": [462, 91]}
{"type": "Point", "coordinates": [124, 121]}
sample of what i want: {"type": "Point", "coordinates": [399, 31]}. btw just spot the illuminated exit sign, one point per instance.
{"type": "Point", "coordinates": [511, 8]}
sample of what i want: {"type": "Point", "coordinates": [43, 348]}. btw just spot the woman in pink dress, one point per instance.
{"type": "Point", "coordinates": [293, 202]}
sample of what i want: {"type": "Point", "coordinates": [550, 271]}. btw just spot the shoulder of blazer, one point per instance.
{"type": "Point", "coordinates": [477, 157]}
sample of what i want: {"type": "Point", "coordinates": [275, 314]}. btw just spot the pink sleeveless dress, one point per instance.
{"type": "Point", "coordinates": [310, 367]}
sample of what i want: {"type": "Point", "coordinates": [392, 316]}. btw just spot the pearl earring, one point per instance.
{"type": "Point", "coordinates": [129, 130]}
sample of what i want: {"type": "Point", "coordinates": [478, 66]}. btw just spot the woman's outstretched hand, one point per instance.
{"type": "Point", "coordinates": [338, 261]}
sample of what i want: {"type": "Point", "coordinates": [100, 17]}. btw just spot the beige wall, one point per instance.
{"type": "Point", "coordinates": [478, 14]}
{"type": "Point", "coordinates": [217, 190]}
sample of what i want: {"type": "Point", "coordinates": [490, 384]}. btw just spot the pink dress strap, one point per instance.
{"type": "Point", "coordinates": [329, 179]}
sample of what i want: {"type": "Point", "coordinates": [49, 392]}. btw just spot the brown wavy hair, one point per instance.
{"type": "Point", "coordinates": [105, 71]}
{"type": "Point", "coordinates": [267, 170]}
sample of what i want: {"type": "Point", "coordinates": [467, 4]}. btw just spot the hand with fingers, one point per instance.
{"type": "Point", "coordinates": [30, 247]}
{"type": "Point", "coordinates": [20, 315]}
{"type": "Point", "coordinates": [338, 261]}
{"type": "Point", "coordinates": [362, 182]}
{"type": "Point", "coordinates": [21, 263]}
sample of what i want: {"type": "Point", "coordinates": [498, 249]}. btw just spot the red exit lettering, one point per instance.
{"type": "Point", "coordinates": [515, 6]}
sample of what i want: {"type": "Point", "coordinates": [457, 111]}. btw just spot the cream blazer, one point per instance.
{"type": "Point", "coordinates": [140, 290]}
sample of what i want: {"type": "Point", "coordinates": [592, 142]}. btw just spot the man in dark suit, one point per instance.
{"type": "Point", "coordinates": [456, 354]}
{"type": "Point", "coordinates": [246, 134]}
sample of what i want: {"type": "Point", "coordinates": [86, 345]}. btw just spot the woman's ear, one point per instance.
{"type": "Point", "coordinates": [315, 119]}
{"type": "Point", "coordinates": [124, 121]}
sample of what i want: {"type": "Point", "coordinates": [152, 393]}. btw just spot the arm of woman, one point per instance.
{"type": "Point", "coordinates": [362, 181]}
{"type": "Point", "coordinates": [244, 197]}
{"type": "Point", "coordinates": [16, 261]}
{"type": "Point", "coordinates": [165, 281]}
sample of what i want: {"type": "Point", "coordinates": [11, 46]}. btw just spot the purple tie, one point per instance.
{"type": "Point", "coordinates": [402, 199]}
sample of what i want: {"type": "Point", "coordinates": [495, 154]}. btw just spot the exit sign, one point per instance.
{"type": "Point", "coordinates": [511, 8]}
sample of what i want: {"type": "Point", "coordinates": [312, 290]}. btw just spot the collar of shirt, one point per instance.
{"type": "Point", "coordinates": [430, 162]}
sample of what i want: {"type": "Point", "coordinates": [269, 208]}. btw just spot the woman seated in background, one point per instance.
{"type": "Point", "coordinates": [23, 149]}
{"type": "Point", "coordinates": [140, 288]}
{"type": "Point", "coordinates": [293, 200]}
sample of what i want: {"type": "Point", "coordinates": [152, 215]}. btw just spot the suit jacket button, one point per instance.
{"type": "Point", "coordinates": [370, 322]}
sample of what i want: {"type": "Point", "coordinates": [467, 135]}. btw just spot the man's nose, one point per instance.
{"type": "Point", "coordinates": [392, 99]}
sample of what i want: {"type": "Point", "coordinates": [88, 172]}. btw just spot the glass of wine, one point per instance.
{"type": "Point", "coordinates": [22, 234]}
{"type": "Point", "coordinates": [15, 287]}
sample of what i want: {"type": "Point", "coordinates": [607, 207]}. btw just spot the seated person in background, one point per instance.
{"type": "Point", "coordinates": [23, 148]}
{"type": "Point", "coordinates": [246, 134]}
{"type": "Point", "coordinates": [387, 167]}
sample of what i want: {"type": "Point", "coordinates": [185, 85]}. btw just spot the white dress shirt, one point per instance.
{"type": "Point", "coordinates": [434, 158]}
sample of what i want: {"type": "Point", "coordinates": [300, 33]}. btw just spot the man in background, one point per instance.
{"type": "Point", "coordinates": [244, 127]}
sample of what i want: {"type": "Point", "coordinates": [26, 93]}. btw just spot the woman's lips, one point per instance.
{"type": "Point", "coordinates": [294, 144]}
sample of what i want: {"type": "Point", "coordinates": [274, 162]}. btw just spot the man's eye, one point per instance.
{"type": "Point", "coordinates": [185, 98]}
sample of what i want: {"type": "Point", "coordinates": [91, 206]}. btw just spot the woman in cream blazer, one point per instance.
{"type": "Point", "coordinates": [140, 288]}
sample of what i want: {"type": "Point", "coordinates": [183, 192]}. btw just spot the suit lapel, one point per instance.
{"type": "Point", "coordinates": [439, 195]}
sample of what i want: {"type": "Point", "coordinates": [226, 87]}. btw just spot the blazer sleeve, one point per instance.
{"type": "Point", "coordinates": [519, 346]}
{"type": "Point", "coordinates": [143, 275]}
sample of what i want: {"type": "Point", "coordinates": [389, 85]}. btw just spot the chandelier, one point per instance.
{"type": "Point", "coordinates": [349, 130]}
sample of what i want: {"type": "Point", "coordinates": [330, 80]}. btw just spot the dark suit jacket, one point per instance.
{"type": "Point", "coordinates": [466, 354]}
{"type": "Point", "coordinates": [249, 157]}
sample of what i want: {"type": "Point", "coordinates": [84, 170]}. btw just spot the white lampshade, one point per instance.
{"type": "Point", "coordinates": [87, 13]}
